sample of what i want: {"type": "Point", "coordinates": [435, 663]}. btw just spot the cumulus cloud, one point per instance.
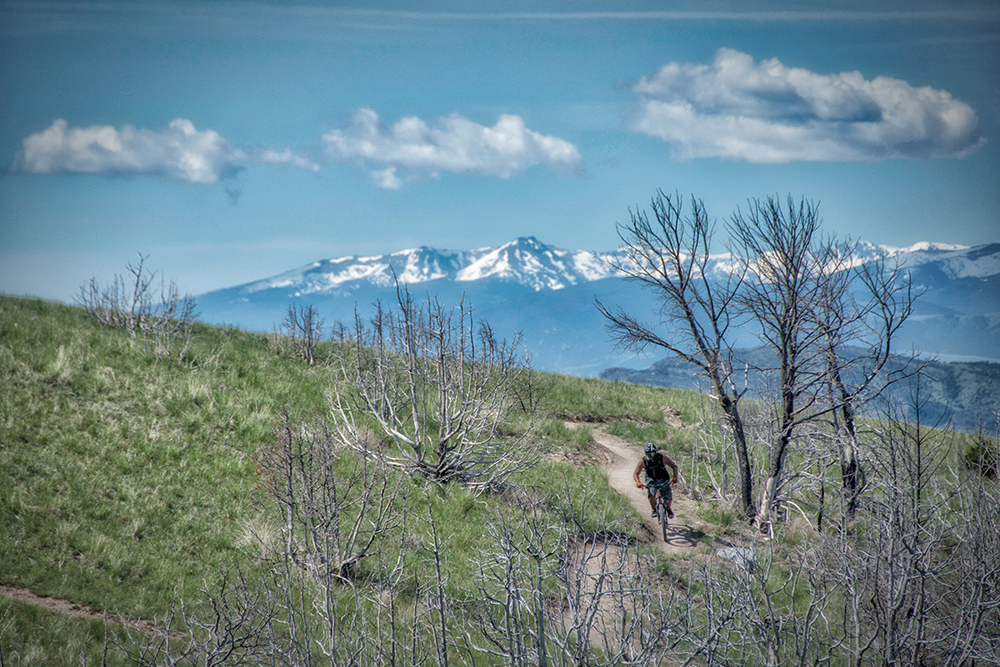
{"type": "Point", "coordinates": [180, 152]}
{"type": "Point", "coordinates": [767, 112]}
{"type": "Point", "coordinates": [287, 157]}
{"type": "Point", "coordinates": [453, 144]}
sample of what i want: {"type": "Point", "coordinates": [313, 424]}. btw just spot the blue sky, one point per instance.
{"type": "Point", "coordinates": [229, 141]}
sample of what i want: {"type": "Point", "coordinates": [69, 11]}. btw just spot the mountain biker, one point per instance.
{"type": "Point", "coordinates": [655, 464]}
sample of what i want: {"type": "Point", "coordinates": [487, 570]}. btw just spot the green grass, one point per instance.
{"type": "Point", "coordinates": [592, 400]}
{"type": "Point", "coordinates": [129, 476]}
{"type": "Point", "coordinates": [52, 638]}
{"type": "Point", "coordinates": [125, 474]}
{"type": "Point", "coordinates": [718, 515]}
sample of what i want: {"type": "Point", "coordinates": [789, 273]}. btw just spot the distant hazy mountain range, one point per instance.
{"type": "Point", "coordinates": [548, 294]}
{"type": "Point", "coordinates": [963, 395]}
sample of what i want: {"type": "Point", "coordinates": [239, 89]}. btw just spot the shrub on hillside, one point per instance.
{"type": "Point", "coordinates": [983, 455]}
{"type": "Point", "coordinates": [133, 302]}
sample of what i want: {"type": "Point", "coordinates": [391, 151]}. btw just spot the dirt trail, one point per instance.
{"type": "Point", "coordinates": [69, 608]}
{"type": "Point", "coordinates": [598, 561]}
{"type": "Point", "coordinates": [619, 459]}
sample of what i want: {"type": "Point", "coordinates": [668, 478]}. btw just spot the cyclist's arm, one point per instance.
{"type": "Point", "coordinates": [635, 474]}
{"type": "Point", "coordinates": [670, 464]}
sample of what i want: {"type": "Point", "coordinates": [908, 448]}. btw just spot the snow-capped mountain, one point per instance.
{"type": "Point", "coordinates": [954, 261]}
{"type": "Point", "coordinates": [528, 262]}
{"type": "Point", "coordinates": [524, 261]}
{"type": "Point", "coordinates": [548, 294]}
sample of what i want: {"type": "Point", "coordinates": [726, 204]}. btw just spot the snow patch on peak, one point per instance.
{"type": "Point", "coordinates": [424, 264]}
{"type": "Point", "coordinates": [591, 265]}
{"type": "Point", "coordinates": [927, 246]}
{"type": "Point", "coordinates": [955, 261]}
{"type": "Point", "coordinates": [529, 262]}
{"type": "Point", "coordinates": [865, 248]}
{"type": "Point", "coordinates": [494, 263]}
{"type": "Point", "coordinates": [979, 262]}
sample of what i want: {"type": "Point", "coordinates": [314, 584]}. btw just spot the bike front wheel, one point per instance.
{"type": "Point", "coordinates": [661, 513]}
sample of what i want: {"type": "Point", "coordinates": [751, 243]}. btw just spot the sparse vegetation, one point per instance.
{"type": "Point", "coordinates": [439, 385]}
{"type": "Point", "coordinates": [302, 328]}
{"type": "Point", "coordinates": [983, 455]}
{"type": "Point", "coordinates": [134, 302]}
{"type": "Point", "coordinates": [131, 480]}
{"type": "Point", "coordinates": [807, 300]}
{"type": "Point", "coordinates": [147, 486]}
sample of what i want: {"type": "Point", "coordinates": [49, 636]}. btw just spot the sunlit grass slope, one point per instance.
{"type": "Point", "coordinates": [128, 473]}
{"type": "Point", "coordinates": [125, 475]}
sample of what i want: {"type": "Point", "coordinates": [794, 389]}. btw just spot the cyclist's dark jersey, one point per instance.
{"type": "Point", "coordinates": [656, 469]}
{"type": "Point", "coordinates": [657, 476]}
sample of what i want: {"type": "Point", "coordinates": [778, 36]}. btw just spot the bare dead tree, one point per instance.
{"type": "Point", "coordinates": [777, 246]}
{"type": "Point", "coordinates": [386, 623]}
{"type": "Point", "coordinates": [440, 386]}
{"type": "Point", "coordinates": [861, 308]}
{"type": "Point", "coordinates": [551, 594]}
{"type": "Point", "coordinates": [133, 302]}
{"type": "Point", "coordinates": [837, 311]}
{"type": "Point", "coordinates": [304, 328]}
{"type": "Point", "coordinates": [332, 505]}
{"type": "Point", "coordinates": [277, 341]}
{"type": "Point", "coordinates": [123, 304]}
{"type": "Point", "coordinates": [511, 609]}
{"type": "Point", "coordinates": [919, 569]}
{"type": "Point", "coordinates": [670, 256]}
{"type": "Point", "coordinates": [614, 607]}
{"type": "Point", "coordinates": [230, 625]}
{"type": "Point", "coordinates": [971, 614]}
{"type": "Point", "coordinates": [828, 320]}
{"type": "Point", "coordinates": [746, 611]}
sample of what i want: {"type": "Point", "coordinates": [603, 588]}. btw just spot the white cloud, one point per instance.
{"type": "Point", "coordinates": [180, 152]}
{"type": "Point", "coordinates": [454, 144]}
{"type": "Point", "coordinates": [767, 112]}
{"type": "Point", "coordinates": [386, 178]}
{"type": "Point", "coordinates": [271, 156]}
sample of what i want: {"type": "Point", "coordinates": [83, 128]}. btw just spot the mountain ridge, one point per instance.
{"type": "Point", "coordinates": [548, 294]}
{"type": "Point", "coordinates": [528, 261]}
{"type": "Point", "coordinates": [524, 260]}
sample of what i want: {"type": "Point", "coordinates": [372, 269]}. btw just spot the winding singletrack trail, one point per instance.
{"type": "Point", "coordinates": [619, 459]}
{"type": "Point", "coordinates": [60, 606]}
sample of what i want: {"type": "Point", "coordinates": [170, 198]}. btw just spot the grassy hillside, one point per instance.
{"type": "Point", "coordinates": [129, 476]}
{"type": "Point", "coordinates": [139, 479]}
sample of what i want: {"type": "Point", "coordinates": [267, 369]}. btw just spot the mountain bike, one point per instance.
{"type": "Point", "coordinates": [661, 513]}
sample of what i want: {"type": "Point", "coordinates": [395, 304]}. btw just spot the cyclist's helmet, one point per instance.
{"type": "Point", "coordinates": [650, 448]}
